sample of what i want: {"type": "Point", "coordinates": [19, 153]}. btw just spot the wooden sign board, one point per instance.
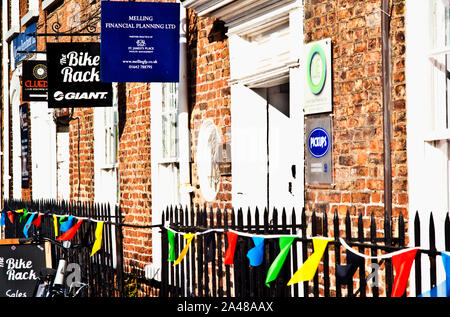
{"type": "Point", "coordinates": [20, 265]}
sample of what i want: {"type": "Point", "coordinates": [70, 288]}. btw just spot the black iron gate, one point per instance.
{"type": "Point", "coordinates": [103, 272]}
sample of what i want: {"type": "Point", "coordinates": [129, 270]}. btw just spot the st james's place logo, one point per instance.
{"type": "Point", "coordinates": [74, 76]}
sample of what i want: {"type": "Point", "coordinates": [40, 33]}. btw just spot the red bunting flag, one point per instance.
{"type": "Point", "coordinates": [402, 263]}
{"type": "Point", "coordinates": [69, 234]}
{"type": "Point", "coordinates": [229, 254]}
{"type": "Point", "coordinates": [37, 222]}
{"type": "Point", "coordinates": [11, 216]}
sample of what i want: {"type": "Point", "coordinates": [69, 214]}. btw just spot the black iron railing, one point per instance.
{"type": "Point", "coordinates": [203, 273]}
{"type": "Point", "coordinates": [103, 271]}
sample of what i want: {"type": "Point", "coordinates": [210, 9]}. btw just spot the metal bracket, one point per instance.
{"type": "Point", "coordinates": [56, 26]}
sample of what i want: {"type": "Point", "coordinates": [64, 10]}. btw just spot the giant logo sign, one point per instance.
{"type": "Point", "coordinates": [74, 76]}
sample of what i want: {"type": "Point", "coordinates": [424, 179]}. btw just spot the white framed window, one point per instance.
{"type": "Point", "coordinates": [111, 135]}
{"type": "Point", "coordinates": [106, 151]}
{"type": "Point", "coordinates": [32, 13]}
{"type": "Point", "coordinates": [438, 129]}
{"type": "Point", "coordinates": [169, 168]}
{"type": "Point", "coordinates": [439, 63]}
{"type": "Point", "coordinates": [169, 125]}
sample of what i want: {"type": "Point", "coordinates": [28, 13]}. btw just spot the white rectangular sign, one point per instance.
{"type": "Point", "coordinates": [318, 71]}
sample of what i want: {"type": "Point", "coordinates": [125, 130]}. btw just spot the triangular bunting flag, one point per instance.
{"type": "Point", "coordinates": [255, 255]}
{"type": "Point", "coordinates": [24, 214]}
{"type": "Point", "coordinates": [438, 291]}
{"type": "Point", "coordinates": [37, 221]}
{"type": "Point", "coordinates": [309, 267]}
{"type": "Point", "coordinates": [98, 238]}
{"type": "Point", "coordinates": [3, 220]}
{"type": "Point", "coordinates": [28, 225]}
{"type": "Point", "coordinates": [188, 237]}
{"type": "Point", "coordinates": [71, 232]}
{"type": "Point", "coordinates": [443, 289]}
{"type": "Point", "coordinates": [66, 225]}
{"type": "Point", "coordinates": [446, 261]}
{"type": "Point", "coordinates": [210, 246]}
{"type": "Point", "coordinates": [229, 254]}
{"type": "Point", "coordinates": [171, 240]}
{"type": "Point", "coordinates": [11, 216]}
{"type": "Point", "coordinates": [402, 263]}
{"type": "Point", "coordinates": [344, 273]}
{"type": "Point", "coordinates": [55, 225]}
{"type": "Point", "coordinates": [275, 268]}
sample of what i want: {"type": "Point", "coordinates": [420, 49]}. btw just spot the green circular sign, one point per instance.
{"type": "Point", "coordinates": [317, 69]}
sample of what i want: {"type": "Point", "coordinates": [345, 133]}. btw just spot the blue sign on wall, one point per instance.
{"type": "Point", "coordinates": [318, 142]}
{"type": "Point", "coordinates": [140, 42]}
{"type": "Point", "coordinates": [24, 42]}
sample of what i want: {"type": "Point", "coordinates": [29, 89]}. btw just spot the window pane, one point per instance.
{"type": "Point", "coordinates": [440, 81]}
{"type": "Point", "coordinates": [169, 120]}
{"type": "Point", "coordinates": [164, 136]}
{"type": "Point", "coordinates": [441, 28]}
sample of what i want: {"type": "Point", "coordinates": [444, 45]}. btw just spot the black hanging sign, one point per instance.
{"type": "Point", "coordinates": [25, 150]}
{"type": "Point", "coordinates": [74, 76]}
{"type": "Point", "coordinates": [34, 80]}
{"type": "Point", "coordinates": [19, 269]}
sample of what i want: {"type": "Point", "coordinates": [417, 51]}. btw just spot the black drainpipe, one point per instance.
{"type": "Point", "coordinates": [386, 82]}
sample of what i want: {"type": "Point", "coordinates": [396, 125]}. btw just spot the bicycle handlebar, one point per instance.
{"type": "Point", "coordinates": [40, 238]}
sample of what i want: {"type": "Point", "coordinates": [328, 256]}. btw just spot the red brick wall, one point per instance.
{"type": "Point", "coordinates": [355, 29]}
{"type": "Point", "coordinates": [23, 8]}
{"type": "Point", "coordinates": [135, 173]}
{"type": "Point", "coordinates": [209, 92]}
{"type": "Point", "coordinates": [81, 148]}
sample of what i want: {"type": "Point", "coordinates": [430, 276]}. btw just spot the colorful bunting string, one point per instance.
{"type": "Point", "coordinates": [401, 259]}
{"type": "Point", "coordinates": [65, 227]}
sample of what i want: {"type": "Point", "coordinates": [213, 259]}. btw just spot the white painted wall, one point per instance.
{"type": "Point", "coordinates": [43, 151]}
{"type": "Point", "coordinates": [426, 163]}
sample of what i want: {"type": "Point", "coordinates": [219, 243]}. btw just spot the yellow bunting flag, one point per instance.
{"type": "Point", "coordinates": [55, 225]}
{"type": "Point", "coordinates": [98, 238]}
{"type": "Point", "coordinates": [309, 267]}
{"type": "Point", "coordinates": [188, 237]}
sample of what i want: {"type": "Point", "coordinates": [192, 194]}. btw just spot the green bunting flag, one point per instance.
{"type": "Point", "coordinates": [275, 268]}
{"type": "Point", "coordinates": [171, 239]}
